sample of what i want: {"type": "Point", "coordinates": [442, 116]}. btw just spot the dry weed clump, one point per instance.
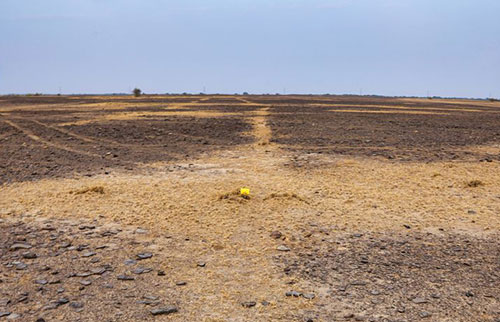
{"type": "Point", "coordinates": [474, 183]}
{"type": "Point", "coordinates": [94, 189]}
{"type": "Point", "coordinates": [285, 195]}
{"type": "Point", "coordinates": [234, 195]}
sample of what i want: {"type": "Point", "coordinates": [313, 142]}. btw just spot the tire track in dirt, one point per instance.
{"type": "Point", "coordinates": [36, 138]}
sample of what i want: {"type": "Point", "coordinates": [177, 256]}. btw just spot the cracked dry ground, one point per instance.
{"type": "Point", "coordinates": [123, 209]}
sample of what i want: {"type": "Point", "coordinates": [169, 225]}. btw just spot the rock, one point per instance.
{"type": "Point", "coordinates": [141, 231]}
{"type": "Point", "coordinates": [419, 300]}
{"type": "Point", "coordinates": [4, 313]}
{"type": "Point", "coordinates": [130, 262]}
{"type": "Point", "coordinates": [125, 278]}
{"type": "Point", "coordinates": [248, 304]}
{"type": "Point", "coordinates": [180, 283]}
{"type": "Point", "coordinates": [142, 270]}
{"type": "Point", "coordinates": [276, 234]}
{"type": "Point", "coordinates": [88, 254]}
{"type": "Point", "coordinates": [151, 297]}
{"type": "Point", "coordinates": [76, 305]}
{"type": "Point", "coordinates": [18, 246]}
{"type": "Point", "coordinates": [62, 301]}
{"type": "Point", "coordinates": [265, 303]}
{"type": "Point", "coordinates": [41, 282]}
{"type": "Point", "coordinates": [283, 248]}
{"type": "Point", "coordinates": [98, 270]}
{"type": "Point", "coordinates": [161, 273]}
{"type": "Point", "coordinates": [309, 296]}
{"type": "Point", "coordinates": [471, 212]}
{"type": "Point", "coordinates": [13, 316]}
{"type": "Point", "coordinates": [424, 314]}
{"type": "Point", "coordinates": [4, 302]}
{"type": "Point", "coordinates": [142, 256]}
{"type": "Point", "coordinates": [293, 293]}
{"type": "Point", "coordinates": [407, 226]}
{"type": "Point", "coordinates": [65, 245]}
{"type": "Point", "coordinates": [85, 282]}
{"type": "Point", "coordinates": [21, 266]}
{"type": "Point", "coordinates": [164, 310]}
{"type": "Point", "coordinates": [84, 227]}
{"type": "Point", "coordinates": [201, 264]}
{"type": "Point", "coordinates": [29, 255]}
{"type": "Point", "coordinates": [60, 290]}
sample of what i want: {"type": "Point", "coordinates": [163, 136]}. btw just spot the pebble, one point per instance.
{"type": "Point", "coordinates": [161, 273]}
{"type": "Point", "coordinates": [164, 310]}
{"type": "Point", "coordinates": [130, 262]}
{"type": "Point", "coordinates": [248, 304]}
{"type": "Point", "coordinates": [141, 231]}
{"type": "Point", "coordinates": [424, 314]}
{"type": "Point", "coordinates": [29, 255]}
{"type": "Point", "coordinates": [41, 282]}
{"type": "Point", "coordinates": [125, 278]}
{"type": "Point", "coordinates": [4, 313]}
{"type": "Point", "coordinates": [85, 282]}
{"type": "Point", "coordinates": [76, 305]}
{"type": "Point", "coordinates": [283, 248]}
{"type": "Point", "coordinates": [88, 254]}
{"type": "Point", "coordinates": [62, 301]}
{"type": "Point", "coordinates": [144, 256]}
{"type": "Point", "coordinates": [13, 316]}
{"type": "Point", "coordinates": [276, 234]}
{"type": "Point", "coordinates": [180, 283]}
{"type": "Point", "coordinates": [293, 293]}
{"type": "Point", "coordinates": [98, 270]}
{"type": "Point", "coordinates": [142, 270]}
{"type": "Point", "coordinates": [21, 266]}
{"type": "Point", "coordinates": [309, 296]}
{"type": "Point", "coordinates": [419, 300]}
{"type": "Point", "coordinates": [18, 246]}
{"type": "Point", "coordinates": [201, 264]}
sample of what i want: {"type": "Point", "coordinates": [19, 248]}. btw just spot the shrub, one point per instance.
{"type": "Point", "coordinates": [137, 92]}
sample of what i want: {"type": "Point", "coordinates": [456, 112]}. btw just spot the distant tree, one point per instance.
{"type": "Point", "coordinates": [245, 93]}
{"type": "Point", "coordinates": [137, 92]}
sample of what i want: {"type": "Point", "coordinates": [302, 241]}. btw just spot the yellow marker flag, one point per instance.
{"type": "Point", "coordinates": [245, 192]}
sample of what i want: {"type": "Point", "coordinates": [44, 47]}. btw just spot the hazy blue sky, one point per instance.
{"type": "Point", "coordinates": [390, 47]}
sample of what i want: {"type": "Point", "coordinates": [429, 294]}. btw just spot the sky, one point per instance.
{"type": "Point", "coordinates": [384, 47]}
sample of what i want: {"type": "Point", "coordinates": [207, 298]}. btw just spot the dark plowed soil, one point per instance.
{"type": "Point", "coordinates": [450, 134]}
{"type": "Point", "coordinates": [398, 277]}
{"type": "Point", "coordinates": [96, 148]}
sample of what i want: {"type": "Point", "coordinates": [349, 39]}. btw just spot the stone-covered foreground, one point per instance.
{"type": "Point", "coordinates": [54, 270]}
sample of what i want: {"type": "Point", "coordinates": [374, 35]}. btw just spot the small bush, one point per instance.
{"type": "Point", "coordinates": [137, 92]}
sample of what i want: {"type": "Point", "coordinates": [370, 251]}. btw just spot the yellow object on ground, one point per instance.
{"type": "Point", "coordinates": [245, 192]}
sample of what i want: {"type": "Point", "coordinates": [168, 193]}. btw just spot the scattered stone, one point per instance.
{"type": "Point", "coordinates": [4, 302]}
{"type": "Point", "coordinates": [201, 264]}
{"type": "Point", "coordinates": [125, 278]}
{"type": "Point", "coordinates": [95, 260]}
{"type": "Point", "coordinates": [21, 266]}
{"type": "Point", "coordinates": [84, 227]}
{"type": "Point", "coordinates": [141, 231]}
{"type": "Point", "coordinates": [65, 245]}
{"type": "Point", "coordinates": [13, 316]}
{"type": "Point", "coordinates": [130, 262]}
{"type": "Point", "coordinates": [62, 301]}
{"type": "Point", "coordinates": [85, 282]}
{"type": "Point", "coordinates": [469, 294]}
{"type": "Point", "coordinates": [142, 270]}
{"type": "Point", "coordinates": [419, 300]}
{"type": "Point", "coordinates": [76, 305]}
{"type": "Point", "coordinates": [424, 314]}
{"type": "Point", "coordinates": [283, 248]}
{"type": "Point", "coordinates": [180, 283]}
{"type": "Point", "coordinates": [88, 254]}
{"type": "Point", "coordinates": [29, 255]}
{"type": "Point", "coordinates": [142, 256]}
{"type": "Point", "coordinates": [164, 310]}
{"type": "Point", "coordinates": [19, 246]}
{"type": "Point", "coordinates": [276, 234]}
{"type": "Point", "coordinates": [161, 273]}
{"type": "Point", "coordinates": [309, 296]}
{"type": "Point", "coordinates": [293, 293]}
{"type": "Point", "coordinates": [60, 290]}
{"type": "Point", "coordinates": [41, 282]}
{"type": "Point", "coordinates": [4, 313]}
{"type": "Point", "coordinates": [407, 226]}
{"type": "Point", "coordinates": [265, 303]}
{"type": "Point", "coordinates": [248, 304]}
{"type": "Point", "coordinates": [101, 247]}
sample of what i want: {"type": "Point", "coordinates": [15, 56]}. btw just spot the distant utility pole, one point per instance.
{"type": "Point", "coordinates": [204, 89]}
{"type": "Point", "coordinates": [59, 90]}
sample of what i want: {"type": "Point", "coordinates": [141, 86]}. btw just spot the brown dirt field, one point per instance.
{"type": "Point", "coordinates": [388, 215]}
